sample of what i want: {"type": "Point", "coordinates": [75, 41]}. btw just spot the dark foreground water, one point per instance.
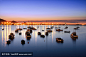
{"type": "Point", "coordinates": [44, 47]}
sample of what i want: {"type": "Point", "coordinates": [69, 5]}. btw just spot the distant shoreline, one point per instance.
{"type": "Point", "coordinates": [41, 23]}
{"type": "Point", "coordinates": [44, 22]}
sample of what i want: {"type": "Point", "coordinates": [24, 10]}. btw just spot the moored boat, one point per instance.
{"type": "Point", "coordinates": [3, 29]}
{"type": "Point", "coordinates": [59, 40]}
{"type": "Point", "coordinates": [39, 33]}
{"type": "Point", "coordinates": [46, 33]}
{"type": "Point", "coordinates": [8, 42]}
{"type": "Point", "coordinates": [66, 31]}
{"type": "Point", "coordinates": [59, 30]}
{"type": "Point", "coordinates": [66, 27]}
{"type": "Point", "coordinates": [22, 42]}
{"type": "Point", "coordinates": [11, 36]}
{"type": "Point", "coordinates": [42, 36]}
{"type": "Point", "coordinates": [49, 30]}
{"type": "Point", "coordinates": [73, 35]}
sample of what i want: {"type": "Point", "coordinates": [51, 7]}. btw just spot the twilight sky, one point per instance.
{"type": "Point", "coordinates": [22, 10]}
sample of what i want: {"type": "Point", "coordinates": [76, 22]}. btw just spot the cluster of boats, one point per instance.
{"type": "Point", "coordinates": [73, 34]}
{"type": "Point", "coordinates": [48, 30]}
{"type": "Point", "coordinates": [11, 37]}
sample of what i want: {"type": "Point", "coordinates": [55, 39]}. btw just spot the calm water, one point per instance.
{"type": "Point", "coordinates": [45, 47]}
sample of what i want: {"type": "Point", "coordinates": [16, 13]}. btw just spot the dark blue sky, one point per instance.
{"type": "Point", "coordinates": [42, 9]}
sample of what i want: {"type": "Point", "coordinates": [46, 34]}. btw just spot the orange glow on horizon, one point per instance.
{"type": "Point", "coordinates": [9, 18]}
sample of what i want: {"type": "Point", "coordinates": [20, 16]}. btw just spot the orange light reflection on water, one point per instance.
{"type": "Point", "coordinates": [23, 33]}
{"type": "Point", "coordinates": [52, 37]}
{"type": "Point", "coordinates": [35, 36]}
{"type": "Point", "coordinates": [5, 34]}
{"type": "Point", "coordinates": [2, 37]}
{"type": "Point", "coordinates": [10, 28]}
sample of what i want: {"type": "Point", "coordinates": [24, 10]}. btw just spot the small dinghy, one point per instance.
{"type": "Point", "coordinates": [20, 33]}
{"type": "Point", "coordinates": [46, 33]}
{"type": "Point", "coordinates": [11, 36]}
{"type": "Point", "coordinates": [49, 30]}
{"type": "Point", "coordinates": [3, 29]}
{"type": "Point", "coordinates": [27, 33]}
{"type": "Point", "coordinates": [8, 42]}
{"type": "Point", "coordinates": [16, 31]}
{"type": "Point", "coordinates": [19, 29]}
{"type": "Point", "coordinates": [39, 33]}
{"type": "Point", "coordinates": [42, 30]}
{"type": "Point", "coordinates": [73, 35]}
{"type": "Point", "coordinates": [28, 36]}
{"type": "Point", "coordinates": [59, 40]}
{"type": "Point", "coordinates": [22, 42]}
{"type": "Point", "coordinates": [52, 27]}
{"type": "Point", "coordinates": [66, 31]}
{"type": "Point", "coordinates": [42, 36]}
{"type": "Point", "coordinates": [66, 27]}
{"type": "Point", "coordinates": [77, 27]}
{"type": "Point", "coordinates": [32, 28]}
{"type": "Point", "coordinates": [59, 30]}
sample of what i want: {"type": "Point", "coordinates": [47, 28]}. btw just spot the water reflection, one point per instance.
{"type": "Point", "coordinates": [52, 37]}
{"type": "Point", "coordinates": [59, 42]}
{"type": "Point", "coordinates": [2, 37]}
{"type": "Point", "coordinates": [7, 32]}
{"type": "Point", "coordinates": [74, 40]}
{"type": "Point", "coordinates": [36, 36]}
{"type": "Point", "coordinates": [10, 28]}
{"type": "Point", "coordinates": [47, 44]}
